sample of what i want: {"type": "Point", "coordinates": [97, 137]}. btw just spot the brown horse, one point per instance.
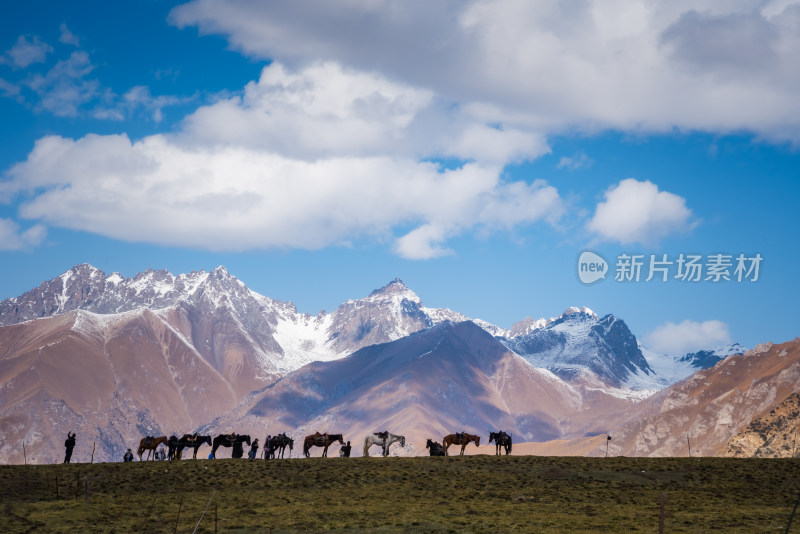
{"type": "Point", "coordinates": [320, 440]}
{"type": "Point", "coordinates": [460, 439]}
{"type": "Point", "coordinates": [150, 444]}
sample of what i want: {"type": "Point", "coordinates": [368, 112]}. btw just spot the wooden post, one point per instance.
{"type": "Point", "coordinates": [152, 505]}
{"type": "Point", "coordinates": [661, 516]}
{"type": "Point", "coordinates": [180, 505]}
{"type": "Point", "coordinates": [793, 511]}
{"type": "Point", "coordinates": [24, 455]}
{"type": "Point", "coordinates": [93, 446]}
{"type": "Point", "coordinates": [688, 445]}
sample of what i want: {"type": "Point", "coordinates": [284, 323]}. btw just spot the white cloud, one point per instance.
{"type": "Point", "coordinates": [232, 198]}
{"type": "Point", "coordinates": [423, 243]}
{"type": "Point", "coordinates": [25, 53]}
{"type": "Point", "coordinates": [688, 336]}
{"type": "Point", "coordinates": [637, 212]}
{"type": "Point", "coordinates": [11, 238]}
{"type": "Point", "coordinates": [67, 37]}
{"type": "Point", "coordinates": [324, 110]}
{"type": "Point", "coordinates": [578, 161]}
{"type": "Point", "coordinates": [9, 89]}
{"type": "Point", "coordinates": [634, 65]}
{"type": "Point", "coordinates": [64, 89]}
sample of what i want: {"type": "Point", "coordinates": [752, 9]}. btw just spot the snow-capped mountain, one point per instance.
{"type": "Point", "coordinates": [119, 357]}
{"type": "Point", "coordinates": [580, 341]}
{"type": "Point", "coordinates": [223, 319]}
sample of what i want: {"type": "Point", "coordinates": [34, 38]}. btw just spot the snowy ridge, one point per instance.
{"type": "Point", "coordinates": [279, 339]}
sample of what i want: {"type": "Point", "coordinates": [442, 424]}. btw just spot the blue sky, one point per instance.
{"type": "Point", "coordinates": [473, 149]}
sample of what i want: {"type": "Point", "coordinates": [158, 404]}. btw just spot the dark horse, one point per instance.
{"type": "Point", "coordinates": [462, 438]}
{"type": "Point", "coordinates": [320, 440]}
{"type": "Point", "coordinates": [150, 444]}
{"type": "Point", "coordinates": [230, 440]}
{"type": "Point", "coordinates": [501, 440]}
{"type": "Point", "coordinates": [192, 441]}
{"type": "Point", "coordinates": [436, 449]}
{"type": "Point", "coordinates": [278, 443]}
{"type": "Point", "coordinates": [172, 444]}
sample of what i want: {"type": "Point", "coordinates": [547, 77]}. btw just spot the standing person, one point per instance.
{"type": "Point", "coordinates": [253, 450]}
{"type": "Point", "coordinates": [344, 452]}
{"type": "Point", "coordinates": [69, 444]}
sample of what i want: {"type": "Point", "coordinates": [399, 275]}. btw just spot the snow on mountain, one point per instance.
{"type": "Point", "coordinates": [579, 341]}
{"type": "Point", "coordinates": [671, 369]}
{"type": "Point", "coordinates": [232, 326]}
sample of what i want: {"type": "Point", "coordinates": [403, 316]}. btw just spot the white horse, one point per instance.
{"type": "Point", "coordinates": [385, 443]}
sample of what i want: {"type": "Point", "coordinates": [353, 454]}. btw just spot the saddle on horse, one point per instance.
{"type": "Point", "coordinates": [382, 435]}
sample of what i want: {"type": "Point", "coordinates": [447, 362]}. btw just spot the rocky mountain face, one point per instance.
{"type": "Point", "coordinates": [775, 435]}
{"type": "Point", "coordinates": [703, 359]}
{"type": "Point", "coordinates": [700, 414]}
{"type": "Point", "coordinates": [110, 378]}
{"type": "Point", "coordinates": [579, 341]}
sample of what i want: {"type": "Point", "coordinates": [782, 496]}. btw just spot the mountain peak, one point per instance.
{"type": "Point", "coordinates": [220, 271]}
{"type": "Point", "coordinates": [395, 287]}
{"type": "Point", "coordinates": [583, 310]}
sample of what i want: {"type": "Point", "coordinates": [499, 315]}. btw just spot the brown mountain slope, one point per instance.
{"type": "Point", "coordinates": [774, 435]}
{"type": "Point", "coordinates": [112, 381]}
{"type": "Point", "coordinates": [446, 379]}
{"type": "Point", "coordinates": [706, 409]}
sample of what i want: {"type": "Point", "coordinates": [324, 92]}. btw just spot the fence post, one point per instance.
{"type": "Point", "coordinates": [93, 446]}
{"type": "Point", "coordinates": [24, 454]}
{"type": "Point", "coordinates": [793, 511]}
{"type": "Point", "coordinates": [180, 505]}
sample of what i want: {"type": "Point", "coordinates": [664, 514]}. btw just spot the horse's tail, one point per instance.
{"type": "Point", "coordinates": [366, 446]}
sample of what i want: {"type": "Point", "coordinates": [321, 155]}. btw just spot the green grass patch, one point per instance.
{"type": "Point", "coordinates": [453, 494]}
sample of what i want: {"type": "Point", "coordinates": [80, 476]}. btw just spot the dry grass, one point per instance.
{"type": "Point", "coordinates": [454, 494]}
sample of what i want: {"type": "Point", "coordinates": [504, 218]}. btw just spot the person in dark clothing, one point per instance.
{"type": "Point", "coordinates": [253, 450]}
{"type": "Point", "coordinates": [344, 452]}
{"type": "Point", "coordinates": [69, 444]}
{"type": "Point", "coordinates": [128, 456]}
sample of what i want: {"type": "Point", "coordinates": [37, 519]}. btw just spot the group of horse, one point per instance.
{"type": "Point", "coordinates": [274, 447]}
{"type": "Point", "coordinates": [501, 439]}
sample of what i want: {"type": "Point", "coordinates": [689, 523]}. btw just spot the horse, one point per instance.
{"type": "Point", "coordinates": [193, 441]}
{"type": "Point", "coordinates": [230, 440]}
{"type": "Point", "coordinates": [150, 444]}
{"type": "Point", "coordinates": [501, 440]}
{"type": "Point", "coordinates": [436, 449]}
{"type": "Point", "coordinates": [462, 438]}
{"type": "Point", "coordinates": [172, 444]}
{"type": "Point", "coordinates": [279, 442]}
{"type": "Point", "coordinates": [384, 439]}
{"type": "Point", "coordinates": [320, 440]}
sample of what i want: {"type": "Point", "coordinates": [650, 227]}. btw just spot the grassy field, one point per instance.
{"type": "Point", "coordinates": [454, 494]}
